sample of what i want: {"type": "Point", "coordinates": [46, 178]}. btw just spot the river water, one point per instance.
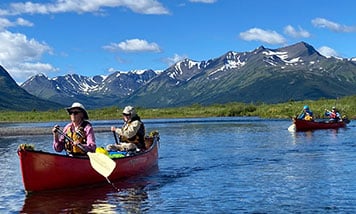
{"type": "Point", "coordinates": [208, 165]}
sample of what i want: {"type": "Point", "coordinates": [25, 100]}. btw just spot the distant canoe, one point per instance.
{"type": "Point", "coordinates": [48, 171]}
{"type": "Point", "coordinates": [304, 125]}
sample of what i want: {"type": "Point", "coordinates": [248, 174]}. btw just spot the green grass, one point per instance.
{"type": "Point", "coordinates": [346, 105]}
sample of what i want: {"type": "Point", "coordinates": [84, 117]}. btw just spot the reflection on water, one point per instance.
{"type": "Point", "coordinates": [71, 201]}
{"type": "Point", "coordinates": [309, 136]}
{"type": "Point", "coordinates": [298, 136]}
{"type": "Point", "coordinates": [128, 196]}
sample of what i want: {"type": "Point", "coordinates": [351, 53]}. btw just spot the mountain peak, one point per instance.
{"type": "Point", "coordinates": [302, 50]}
{"type": "Point", "coordinates": [261, 48]}
{"type": "Point", "coordinates": [234, 76]}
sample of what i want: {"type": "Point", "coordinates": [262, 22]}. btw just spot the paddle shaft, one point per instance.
{"type": "Point", "coordinates": [114, 132]}
{"type": "Point", "coordinates": [300, 113]}
{"type": "Point", "coordinates": [116, 141]}
{"type": "Point", "coordinates": [70, 139]}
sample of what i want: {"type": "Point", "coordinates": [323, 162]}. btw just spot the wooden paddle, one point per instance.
{"type": "Point", "coordinates": [100, 162]}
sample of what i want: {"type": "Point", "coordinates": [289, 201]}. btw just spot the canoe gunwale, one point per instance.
{"type": "Point", "coordinates": [85, 157]}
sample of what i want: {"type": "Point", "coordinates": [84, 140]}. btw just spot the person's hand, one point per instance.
{"type": "Point", "coordinates": [113, 128]}
{"type": "Point", "coordinates": [54, 129]}
{"type": "Point", "coordinates": [75, 143]}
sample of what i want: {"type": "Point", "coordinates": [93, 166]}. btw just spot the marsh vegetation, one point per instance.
{"type": "Point", "coordinates": [345, 105]}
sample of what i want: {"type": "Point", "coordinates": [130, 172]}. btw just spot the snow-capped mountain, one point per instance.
{"type": "Point", "coordinates": [96, 91]}
{"type": "Point", "coordinates": [294, 72]}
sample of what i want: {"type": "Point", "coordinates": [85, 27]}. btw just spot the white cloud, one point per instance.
{"type": "Point", "coordinates": [333, 26]}
{"type": "Point", "coordinates": [84, 6]}
{"type": "Point", "coordinates": [5, 23]}
{"type": "Point", "coordinates": [172, 60]}
{"type": "Point", "coordinates": [267, 36]}
{"type": "Point", "coordinates": [16, 47]}
{"type": "Point", "coordinates": [133, 45]}
{"type": "Point", "coordinates": [24, 22]}
{"type": "Point", "coordinates": [112, 70]}
{"type": "Point", "coordinates": [22, 71]}
{"type": "Point", "coordinates": [20, 55]}
{"type": "Point", "coordinates": [291, 31]}
{"type": "Point", "coordinates": [327, 51]}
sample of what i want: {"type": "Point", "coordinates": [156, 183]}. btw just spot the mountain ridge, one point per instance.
{"type": "Point", "coordinates": [257, 76]}
{"type": "Point", "coordinates": [13, 97]}
{"type": "Point", "coordinates": [294, 72]}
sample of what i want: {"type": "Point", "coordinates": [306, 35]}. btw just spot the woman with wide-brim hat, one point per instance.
{"type": "Point", "coordinates": [80, 137]}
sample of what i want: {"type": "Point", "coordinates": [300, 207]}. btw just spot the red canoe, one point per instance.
{"type": "Point", "coordinates": [304, 125]}
{"type": "Point", "coordinates": [48, 171]}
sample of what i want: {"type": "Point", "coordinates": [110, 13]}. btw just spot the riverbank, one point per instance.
{"type": "Point", "coordinates": [27, 131]}
{"type": "Point", "coordinates": [346, 106]}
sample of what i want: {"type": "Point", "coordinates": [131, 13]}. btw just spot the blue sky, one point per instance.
{"type": "Point", "coordinates": [96, 37]}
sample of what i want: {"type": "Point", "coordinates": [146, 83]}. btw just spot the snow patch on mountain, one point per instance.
{"type": "Point", "coordinates": [283, 55]}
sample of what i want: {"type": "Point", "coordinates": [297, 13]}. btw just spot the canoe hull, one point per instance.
{"type": "Point", "coordinates": [303, 125]}
{"type": "Point", "coordinates": [48, 171]}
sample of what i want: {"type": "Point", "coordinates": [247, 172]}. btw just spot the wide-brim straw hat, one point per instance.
{"type": "Point", "coordinates": [81, 107]}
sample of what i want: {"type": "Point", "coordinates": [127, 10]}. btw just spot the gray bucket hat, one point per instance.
{"type": "Point", "coordinates": [79, 106]}
{"type": "Point", "coordinates": [129, 110]}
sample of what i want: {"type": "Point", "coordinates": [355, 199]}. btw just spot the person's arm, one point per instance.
{"type": "Point", "coordinates": [327, 112]}
{"type": "Point", "coordinates": [338, 115]}
{"type": "Point", "coordinates": [301, 116]}
{"type": "Point", "coordinates": [91, 144]}
{"type": "Point", "coordinates": [58, 140]}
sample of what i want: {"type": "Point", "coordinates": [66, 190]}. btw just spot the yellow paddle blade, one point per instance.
{"type": "Point", "coordinates": [102, 163]}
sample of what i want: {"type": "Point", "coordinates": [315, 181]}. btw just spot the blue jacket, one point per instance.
{"type": "Point", "coordinates": [305, 113]}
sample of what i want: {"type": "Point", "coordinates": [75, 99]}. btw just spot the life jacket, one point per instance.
{"type": "Point", "coordinates": [308, 118]}
{"type": "Point", "coordinates": [139, 138]}
{"type": "Point", "coordinates": [333, 115]}
{"type": "Point", "coordinates": [78, 135]}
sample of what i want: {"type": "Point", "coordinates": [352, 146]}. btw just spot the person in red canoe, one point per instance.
{"type": "Point", "coordinates": [131, 134]}
{"type": "Point", "coordinates": [79, 134]}
{"type": "Point", "coordinates": [334, 115]}
{"type": "Point", "coordinates": [306, 114]}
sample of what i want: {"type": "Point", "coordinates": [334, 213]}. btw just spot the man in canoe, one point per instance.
{"type": "Point", "coordinates": [131, 134]}
{"type": "Point", "coordinates": [334, 115]}
{"type": "Point", "coordinates": [306, 114]}
{"type": "Point", "coordinates": [77, 137]}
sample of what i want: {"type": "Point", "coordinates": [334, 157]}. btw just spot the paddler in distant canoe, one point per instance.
{"type": "Point", "coordinates": [306, 114]}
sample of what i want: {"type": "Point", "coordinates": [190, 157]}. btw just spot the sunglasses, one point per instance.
{"type": "Point", "coordinates": [74, 112]}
